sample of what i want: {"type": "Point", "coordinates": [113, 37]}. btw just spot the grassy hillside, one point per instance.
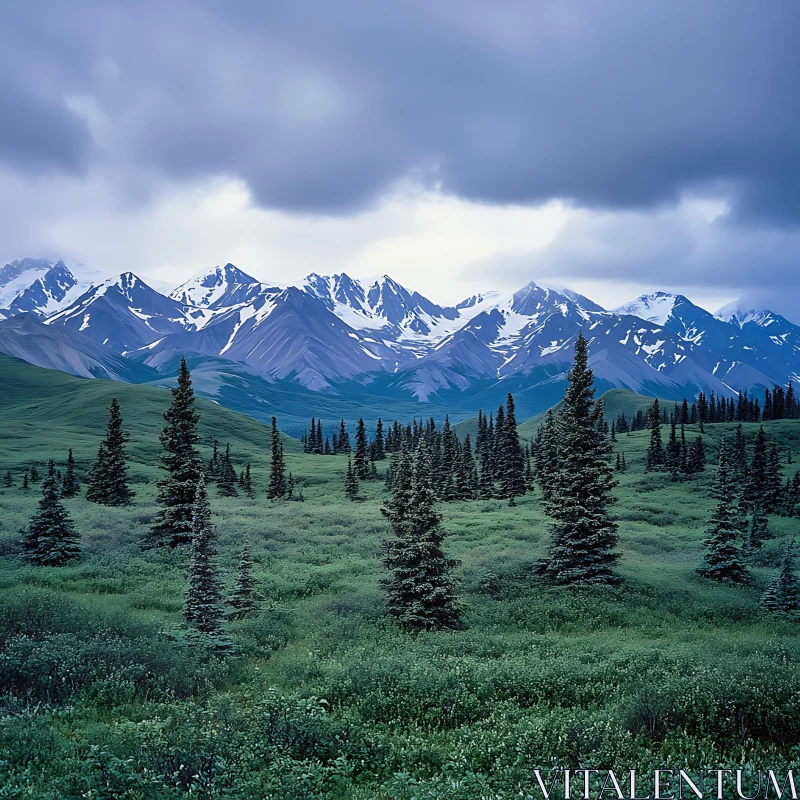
{"type": "Point", "coordinates": [44, 412]}
{"type": "Point", "coordinates": [325, 697]}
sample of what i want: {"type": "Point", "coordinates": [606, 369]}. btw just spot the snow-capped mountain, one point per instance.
{"type": "Point", "coordinates": [331, 332]}
{"type": "Point", "coordinates": [17, 276]}
{"type": "Point", "coordinates": [124, 313]}
{"type": "Point", "coordinates": [221, 287]}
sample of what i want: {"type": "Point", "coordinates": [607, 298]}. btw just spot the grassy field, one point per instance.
{"type": "Point", "coordinates": [103, 697]}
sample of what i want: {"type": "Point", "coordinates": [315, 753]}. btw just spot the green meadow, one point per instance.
{"type": "Point", "coordinates": [103, 696]}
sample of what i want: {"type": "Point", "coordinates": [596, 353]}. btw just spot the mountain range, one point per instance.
{"type": "Point", "coordinates": [264, 348]}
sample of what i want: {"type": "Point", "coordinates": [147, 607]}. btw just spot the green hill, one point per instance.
{"type": "Point", "coordinates": [44, 412]}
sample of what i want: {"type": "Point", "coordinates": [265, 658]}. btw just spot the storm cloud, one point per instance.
{"type": "Point", "coordinates": [320, 106]}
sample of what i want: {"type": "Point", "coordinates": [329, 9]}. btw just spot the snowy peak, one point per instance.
{"type": "Point", "coordinates": [17, 276]}
{"type": "Point", "coordinates": [46, 294]}
{"type": "Point", "coordinates": [657, 307]}
{"type": "Point", "coordinates": [216, 288]}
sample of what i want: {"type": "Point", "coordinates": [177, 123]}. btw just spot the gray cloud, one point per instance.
{"type": "Point", "coordinates": [321, 106]}
{"type": "Point", "coordinates": [683, 248]}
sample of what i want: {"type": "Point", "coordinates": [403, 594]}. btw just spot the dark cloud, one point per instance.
{"type": "Point", "coordinates": [321, 106]}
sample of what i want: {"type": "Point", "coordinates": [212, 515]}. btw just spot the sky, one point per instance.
{"type": "Point", "coordinates": [615, 147]}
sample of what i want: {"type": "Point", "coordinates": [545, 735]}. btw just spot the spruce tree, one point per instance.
{"type": "Point", "coordinates": [8, 481]}
{"type": "Point", "coordinates": [361, 455]}
{"type": "Point", "coordinates": [277, 475]}
{"type": "Point", "coordinates": [783, 593]}
{"type": "Point", "coordinates": [546, 459]}
{"type": "Point", "coordinates": [654, 461]}
{"type": "Point", "coordinates": [202, 609]}
{"type": "Point", "coordinates": [25, 484]}
{"type": "Point", "coordinates": [723, 561]}
{"type": "Point", "coordinates": [227, 475]}
{"type": "Point", "coordinates": [242, 598]}
{"type": "Point", "coordinates": [757, 532]}
{"type": "Point", "coordinates": [247, 483]}
{"type": "Point", "coordinates": [421, 588]}
{"type": "Point", "coordinates": [351, 482]}
{"type": "Point", "coordinates": [511, 459]}
{"type": "Point", "coordinates": [108, 479]}
{"type": "Point", "coordinates": [51, 539]}
{"type": "Point", "coordinates": [379, 445]}
{"type": "Point", "coordinates": [755, 487]}
{"type": "Point", "coordinates": [34, 474]}
{"type": "Point", "coordinates": [696, 461]}
{"type": "Point", "coordinates": [181, 462]}
{"type": "Point", "coordinates": [70, 486]}
{"type": "Point", "coordinates": [583, 532]}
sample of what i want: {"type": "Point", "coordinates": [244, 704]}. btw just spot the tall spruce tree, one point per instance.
{"type": "Point", "coordinates": [361, 454]}
{"type": "Point", "coordinates": [723, 561]}
{"type": "Point", "coordinates": [277, 475]}
{"type": "Point", "coordinates": [108, 479]}
{"type": "Point", "coordinates": [202, 609]}
{"type": "Point", "coordinates": [783, 593]}
{"type": "Point", "coordinates": [8, 480]}
{"type": "Point", "coordinates": [547, 454]}
{"type": "Point", "coordinates": [421, 588]}
{"type": "Point", "coordinates": [351, 482]}
{"type": "Point", "coordinates": [242, 597]}
{"type": "Point", "coordinates": [656, 457]}
{"type": "Point", "coordinates": [51, 539]}
{"type": "Point", "coordinates": [227, 475]}
{"type": "Point", "coordinates": [71, 485]}
{"type": "Point", "coordinates": [583, 532]}
{"type": "Point", "coordinates": [182, 465]}
{"type": "Point", "coordinates": [379, 445]}
{"type": "Point", "coordinates": [511, 459]}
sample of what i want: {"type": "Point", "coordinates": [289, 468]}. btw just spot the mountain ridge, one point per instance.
{"type": "Point", "coordinates": [338, 335]}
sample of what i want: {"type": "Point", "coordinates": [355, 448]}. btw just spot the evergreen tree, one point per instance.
{"type": "Point", "coordinates": [773, 485]}
{"type": "Point", "coordinates": [247, 483]}
{"type": "Point", "coordinates": [227, 475]}
{"type": "Point", "coordinates": [70, 486]}
{"type": "Point", "coordinates": [546, 459]}
{"type": "Point", "coordinates": [654, 461]}
{"type": "Point", "coordinates": [182, 465]}
{"type": "Point", "coordinates": [277, 478]}
{"type": "Point", "coordinates": [242, 598]}
{"type": "Point", "coordinates": [351, 482]}
{"type": "Point", "coordinates": [755, 488]}
{"type": "Point", "coordinates": [510, 459]}
{"type": "Point", "coordinates": [739, 456]}
{"type": "Point", "coordinates": [34, 474]}
{"type": "Point", "coordinates": [783, 593]}
{"type": "Point", "coordinates": [379, 446]}
{"type": "Point", "coordinates": [361, 455]}
{"type": "Point", "coordinates": [51, 539]}
{"type": "Point", "coordinates": [8, 481]}
{"type": "Point", "coordinates": [25, 485]}
{"type": "Point", "coordinates": [583, 533]}
{"type": "Point", "coordinates": [723, 561]}
{"type": "Point", "coordinates": [202, 609]}
{"type": "Point", "coordinates": [290, 487]}
{"type": "Point", "coordinates": [757, 532]}
{"type": "Point", "coordinates": [696, 461]}
{"type": "Point", "coordinates": [344, 440]}
{"type": "Point", "coordinates": [421, 588]}
{"type": "Point", "coordinates": [108, 479]}
{"type": "Point", "coordinates": [213, 471]}
{"type": "Point", "coordinates": [672, 460]}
